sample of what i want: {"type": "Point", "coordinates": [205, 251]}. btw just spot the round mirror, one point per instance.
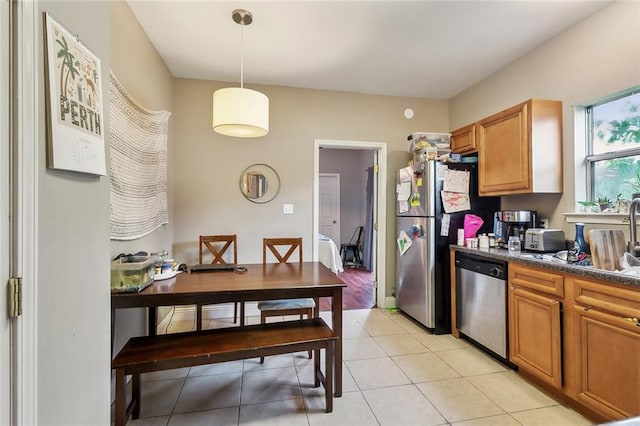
{"type": "Point", "coordinates": [259, 183]}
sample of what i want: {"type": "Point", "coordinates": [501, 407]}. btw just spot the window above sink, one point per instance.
{"type": "Point", "coordinates": [613, 148]}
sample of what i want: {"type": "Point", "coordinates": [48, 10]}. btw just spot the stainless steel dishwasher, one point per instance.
{"type": "Point", "coordinates": [481, 301]}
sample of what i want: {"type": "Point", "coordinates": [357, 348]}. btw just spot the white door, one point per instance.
{"type": "Point", "coordinates": [5, 323]}
{"type": "Point", "coordinates": [329, 206]}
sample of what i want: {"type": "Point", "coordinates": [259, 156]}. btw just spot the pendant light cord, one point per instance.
{"type": "Point", "coordinates": [241, 56]}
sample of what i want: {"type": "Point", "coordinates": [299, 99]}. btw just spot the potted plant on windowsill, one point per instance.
{"type": "Point", "coordinates": [604, 203]}
{"type": "Point", "coordinates": [587, 207]}
{"type": "Point", "coordinates": [635, 184]}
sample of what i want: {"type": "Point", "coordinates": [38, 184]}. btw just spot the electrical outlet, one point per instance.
{"type": "Point", "coordinates": [544, 222]}
{"type": "Point", "coordinates": [287, 209]}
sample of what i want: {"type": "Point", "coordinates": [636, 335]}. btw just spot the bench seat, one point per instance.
{"type": "Point", "coordinates": [168, 351]}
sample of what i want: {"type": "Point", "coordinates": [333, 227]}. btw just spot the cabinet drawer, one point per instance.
{"type": "Point", "coordinates": [463, 141]}
{"type": "Point", "coordinates": [536, 279]}
{"type": "Point", "coordinates": [607, 297]}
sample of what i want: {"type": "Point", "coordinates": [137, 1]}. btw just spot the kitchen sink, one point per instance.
{"type": "Point", "coordinates": [553, 259]}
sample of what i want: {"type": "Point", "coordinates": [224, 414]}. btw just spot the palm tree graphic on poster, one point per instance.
{"type": "Point", "coordinates": [67, 63]}
{"type": "Point", "coordinates": [75, 133]}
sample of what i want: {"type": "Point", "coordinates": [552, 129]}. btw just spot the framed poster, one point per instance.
{"type": "Point", "coordinates": [75, 125]}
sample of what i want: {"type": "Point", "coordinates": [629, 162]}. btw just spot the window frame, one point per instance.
{"type": "Point", "coordinates": [591, 158]}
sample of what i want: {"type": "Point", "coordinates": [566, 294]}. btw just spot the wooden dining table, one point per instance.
{"type": "Point", "coordinates": [246, 283]}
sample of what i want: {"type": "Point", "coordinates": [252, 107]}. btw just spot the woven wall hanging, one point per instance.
{"type": "Point", "coordinates": [138, 165]}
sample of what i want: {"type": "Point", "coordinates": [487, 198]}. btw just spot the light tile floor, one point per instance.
{"type": "Point", "coordinates": [395, 373]}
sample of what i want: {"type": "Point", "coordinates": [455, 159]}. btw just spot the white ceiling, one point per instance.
{"type": "Point", "coordinates": [428, 49]}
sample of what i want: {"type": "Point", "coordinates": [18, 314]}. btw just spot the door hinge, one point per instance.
{"type": "Point", "coordinates": [375, 284]}
{"type": "Point", "coordinates": [14, 297]}
{"type": "Point", "coordinates": [376, 169]}
{"type": "Point", "coordinates": [375, 226]}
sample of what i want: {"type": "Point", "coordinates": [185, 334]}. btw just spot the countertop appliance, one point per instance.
{"type": "Point", "coordinates": [544, 240]}
{"type": "Point", "coordinates": [423, 270]}
{"type": "Point", "coordinates": [508, 223]}
{"type": "Point", "coordinates": [481, 302]}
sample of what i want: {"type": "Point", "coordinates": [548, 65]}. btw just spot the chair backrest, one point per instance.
{"type": "Point", "coordinates": [213, 244]}
{"type": "Point", "coordinates": [356, 238]}
{"type": "Point", "coordinates": [277, 245]}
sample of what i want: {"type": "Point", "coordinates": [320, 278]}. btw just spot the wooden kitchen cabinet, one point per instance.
{"type": "Point", "coordinates": [535, 326]}
{"type": "Point", "coordinates": [463, 141]}
{"type": "Point", "coordinates": [520, 149]}
{"type": "Point", "coordinates": [607, 348]}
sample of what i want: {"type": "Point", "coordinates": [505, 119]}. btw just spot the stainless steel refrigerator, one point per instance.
{"type": "Point", "coordinates": [423, 283]}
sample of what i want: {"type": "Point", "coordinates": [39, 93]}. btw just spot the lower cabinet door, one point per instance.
{"type": "Point", "coordinates": [535, 342]}
{"type": "Point", "coordinates": [609, 357]}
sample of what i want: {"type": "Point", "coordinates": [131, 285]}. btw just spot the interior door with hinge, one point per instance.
{"type": "Point", "coordinates": [329, 206]}
{"type": "Point", "coordinates": [20, 65]}
{"type": "Point", "coordinates": [5, 324]}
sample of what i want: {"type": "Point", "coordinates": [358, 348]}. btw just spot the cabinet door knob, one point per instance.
{"type": "Point", "coordinates": [586, 308]}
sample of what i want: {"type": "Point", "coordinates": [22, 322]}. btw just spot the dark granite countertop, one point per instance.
{"type": "Point", "coordinates": [548, 262]}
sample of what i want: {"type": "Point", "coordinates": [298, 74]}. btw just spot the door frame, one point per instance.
{"type": "Point", "coordinates": [25, 67]}
{"type": "Point", "coordinates": [6, 325]}
{"type": "Point", "coordinates": [379, 239]}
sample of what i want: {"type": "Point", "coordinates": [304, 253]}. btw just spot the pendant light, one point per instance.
{"type": "Point", "coordinates": [240, 112]}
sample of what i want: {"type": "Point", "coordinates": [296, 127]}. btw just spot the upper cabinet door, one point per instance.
{"type": "Point", "coordinates": [504, 145]}
{"type": "Point", "coordinates": [520, 149]}
{"type": "Point", "coordinates": [463, 141]}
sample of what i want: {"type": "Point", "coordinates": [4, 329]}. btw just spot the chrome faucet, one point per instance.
{"type": "Point", "coordinates": [634, 248]}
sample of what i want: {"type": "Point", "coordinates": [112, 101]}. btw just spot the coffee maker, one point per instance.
{"type": "Point", "coordinates": [508, 223]}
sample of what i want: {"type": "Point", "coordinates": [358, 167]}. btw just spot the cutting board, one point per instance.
{"type": "Point", "coordinates": [607, 247]}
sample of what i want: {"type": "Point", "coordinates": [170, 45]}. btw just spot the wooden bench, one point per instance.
{"type": "Point", "coordinates": [168, 351]}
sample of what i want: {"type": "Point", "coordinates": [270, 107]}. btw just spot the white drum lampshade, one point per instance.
{"type": "Point", "coordinates": [240, 112]}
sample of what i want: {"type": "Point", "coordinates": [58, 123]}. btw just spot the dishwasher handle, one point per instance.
{"type": "Point", "coordinates": [485, 266]}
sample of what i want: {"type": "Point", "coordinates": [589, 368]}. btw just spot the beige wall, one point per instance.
{"type": "Point", "coordinates": [72, 288]}
{"type": "Point", "coordinates": [207, 166]}
{"type": "Point", "coordinates": [597, 57]}
{"type": "Point", "coordinates": [141, 71]}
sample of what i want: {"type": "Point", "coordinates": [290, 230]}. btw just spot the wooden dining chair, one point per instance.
{"type": "Point", "coordinates": [219, 247]}
{"type": "Point", "coordinates": [354, 246]}
{"type": "Point", "coordinates": [283, 249]}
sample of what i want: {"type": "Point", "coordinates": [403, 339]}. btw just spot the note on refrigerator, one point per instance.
{"type": "Point", "coordinates": [404, 191]}
{"type": "Point", "coordinates": [405, 174]}
{"type": "Point", "coordinates": [404, 242]}
{"type": "Point", "coordinates": [456, 181]}
{"type": "Point", "coordinates": [444, 228]}
{"type": "Point", "coordinates": [441, 168]}
{"type": "Point", "coordinates": [455, 201]}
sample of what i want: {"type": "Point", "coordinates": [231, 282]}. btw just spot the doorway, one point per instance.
{"type": "Point", "coordinates": [378, 152]}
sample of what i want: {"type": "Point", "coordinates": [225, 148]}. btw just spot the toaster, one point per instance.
{"type": "Point", "coordinates": [544, 240]}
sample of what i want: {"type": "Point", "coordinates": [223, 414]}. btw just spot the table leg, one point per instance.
{"type": "Point", "coordinates": [113, 329]}
{"type": "Point", "coordinates": [153, 318]}
{"type": "Point", "coordinates": [336, 309]}
{"type": "Point", "coordinates": [316, 310]}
